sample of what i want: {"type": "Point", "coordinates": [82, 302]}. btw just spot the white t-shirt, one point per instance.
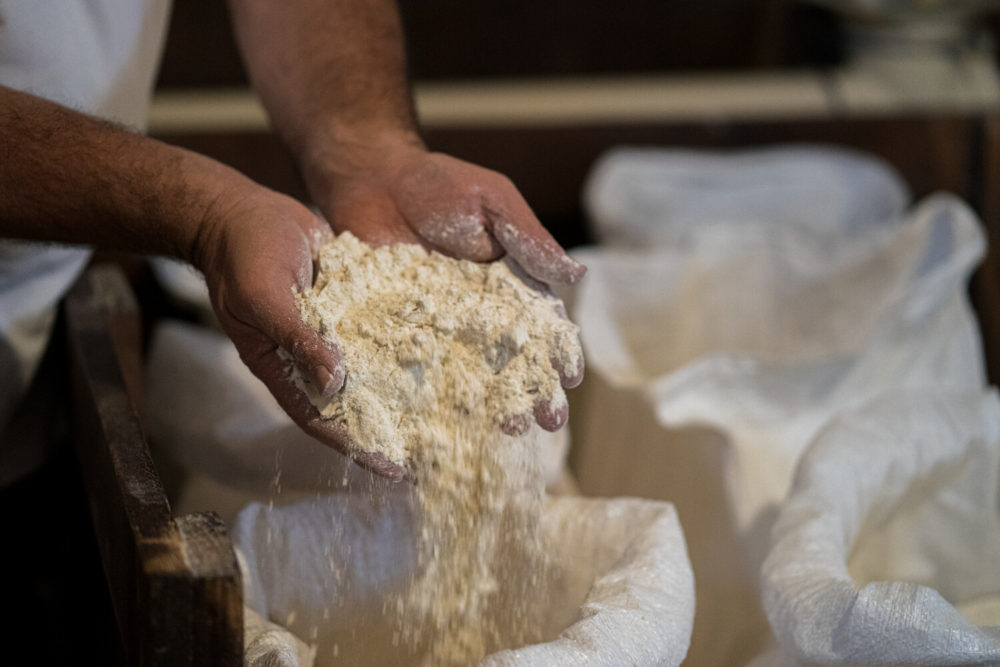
{"type": "Point", "coordinates": [98, 57]}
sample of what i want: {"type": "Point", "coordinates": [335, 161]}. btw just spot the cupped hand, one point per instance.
{"type": "Point", "coordinates": [256, 251]}
{"type": "Point", "coordinates": [403, 193]}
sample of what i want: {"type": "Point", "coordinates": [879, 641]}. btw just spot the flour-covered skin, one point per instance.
{"type": "Point", "coordinates": [407, 194]}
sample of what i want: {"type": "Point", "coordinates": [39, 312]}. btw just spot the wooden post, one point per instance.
{"type": "Point", "coordinates": [174, 583]}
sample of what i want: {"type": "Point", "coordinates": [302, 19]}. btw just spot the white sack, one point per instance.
{"type": "Point", "coordinates": [185, 288]}
{"type": "Point", "coordinates": [713, 360]}
{"type": "Point", "coordinates": [652, 196]}
{"type": "Point", "coordinates": [215, 424]}
{"type": "Point", "coordinates": [210, 418]}
{"type": "Point", "coordinates": [323, 568]}
{"type": "Point", "coordinates": [764, 333]}
{"type": "Point", "coordinates": [892, 520]}
{"type": "Point", "coordinates": [267, 644]}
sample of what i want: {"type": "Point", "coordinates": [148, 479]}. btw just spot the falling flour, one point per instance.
{"type": "Point", "coordinates": [440, 353]}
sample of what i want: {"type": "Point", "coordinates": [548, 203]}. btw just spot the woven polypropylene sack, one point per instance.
{"type": "Point", "coordinates": [622, 590]}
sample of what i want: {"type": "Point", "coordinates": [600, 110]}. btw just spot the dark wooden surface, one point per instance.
{"type": "Point", "coordinates": [174, 584]}
{"type": "Point", "coordinates": [986, 281]}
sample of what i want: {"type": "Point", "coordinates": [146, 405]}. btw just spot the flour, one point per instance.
{"type": "Point", "coordinates": [441, 354]}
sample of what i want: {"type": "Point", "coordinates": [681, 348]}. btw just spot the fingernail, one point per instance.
{"type": "Point", "coordinates": [327, 382]}
{"type": "Point", "coordinates": [572, 269]}
{"type": "Point", "coordinates": [551, 417]}
{"type": "Point", "coordinates": [515, 425]}
{"type": "Point", "coordinates": [567, 379]}
{"type": "Point", "coordinates": [379, 464]}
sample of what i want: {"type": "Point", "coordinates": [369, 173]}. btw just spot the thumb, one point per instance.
{"type": "Point", "coordinates": [530, 244]}
{"type": "Point", "coordinates": [271, 367]}
{"type": "Point", "coordinates": [318, 361]}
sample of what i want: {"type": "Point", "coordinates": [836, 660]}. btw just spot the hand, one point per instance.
{"type": "Point", "coordinates": [256, 252]}
{"type": "Point", "coordinates": [406, 194]}
{"type": "Point", "coordinates": [549, 416]}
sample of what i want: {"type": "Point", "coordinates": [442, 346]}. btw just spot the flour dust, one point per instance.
{"type": "Point", "coordinates": [440, 353]}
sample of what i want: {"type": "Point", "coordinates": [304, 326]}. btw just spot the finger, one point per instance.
{"type": "Point", "coordinates": [528, 242]}
{"type": "Point", "coordinates": [560, 309]}
{"type": "Point", "coordinates": [379, 464]}
{"type": "Point", "coordinates": [271, 311]}
{"type": "Point", "coordinates": [381, 232]}
{"type": "Point", "coordinates": [318, 236]}
{"type": "Point", "coordinates": [274, 372]}
{"type": "Point", "coordinates": [460, 235]}
{"type": "Point", "coordinates": [516, 425]}
{"type": "Point", "coordinates": [329, 432]}
{"type": "Point", "coordinates": [569, 375]}
{"type": "Point", "coordinates": [551, 415]}
{"type": "Point", "coordinates": [373, 219]}
{"type": "Point", "coordinates": [318, 361]}
{"type": "Point", "coordinates": [526, 278]}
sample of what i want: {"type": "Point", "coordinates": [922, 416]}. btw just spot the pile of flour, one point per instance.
{"type": "Point", "coordinates": [439, 354]}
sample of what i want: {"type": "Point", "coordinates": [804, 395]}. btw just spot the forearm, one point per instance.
{"type": "Point", "coordinates": [68, 177]}
{"type": "Point", "coordinates": [331, 73]}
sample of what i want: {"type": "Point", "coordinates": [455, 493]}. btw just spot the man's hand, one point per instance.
{"type": "Point", "coordinates": [67, 177]}
{"type": "Point", "coordinates": [256, 252]}
{"type": "Point", "coordinates": [401, 193]}
{"type": "Point", "coordinates": [332, 75]}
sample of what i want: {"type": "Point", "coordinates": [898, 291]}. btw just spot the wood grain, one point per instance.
{"type": "Point", "coordinates": [174, 583]}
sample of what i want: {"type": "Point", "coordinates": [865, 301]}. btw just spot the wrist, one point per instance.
{"type": "Point", "coordinates": [208, 192]}
{"type": "Point", "coordinates": [341, 154]}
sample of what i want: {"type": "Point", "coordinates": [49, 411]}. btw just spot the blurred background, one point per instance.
{"type": "Point", "coordinates": [539, 90]}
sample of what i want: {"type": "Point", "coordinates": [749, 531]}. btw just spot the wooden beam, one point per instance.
{"type": "Point", "coordinates": [174, 584]}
